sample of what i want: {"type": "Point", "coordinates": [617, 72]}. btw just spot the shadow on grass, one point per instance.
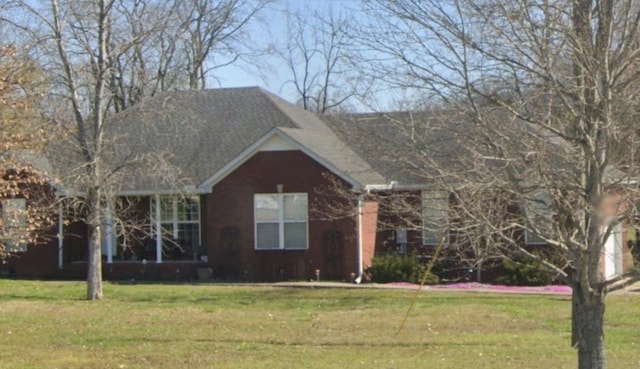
{"type": "Point", "coordinates": [265, 297]}
{"type": "Point", "coordinates": [271, 342]}
{"type": "Point", "coordinates": [41, 298]}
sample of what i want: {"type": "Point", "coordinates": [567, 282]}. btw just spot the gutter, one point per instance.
{"type": "Point", "coordinates": [186, 190]}
{"type": "Point", "coordinates": [394, 185]}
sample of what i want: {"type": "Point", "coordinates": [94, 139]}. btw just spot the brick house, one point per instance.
{"type": "Point", "coordinates": [251, 176]}
{"type": "Point", "coordinates": [251, 168]}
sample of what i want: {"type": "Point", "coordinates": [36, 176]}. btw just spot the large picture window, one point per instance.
{"type": "Point", "coordinates": [14, 221]}
{"type": "Point", "coordinates": [435, 216]}
{"type": "Point", "coordinates": [281, 221]}
{"type": "Point", "coordinates": [180, 224]}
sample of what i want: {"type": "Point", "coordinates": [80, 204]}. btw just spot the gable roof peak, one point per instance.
{"type": "Point", "coordinates": [200, 132]}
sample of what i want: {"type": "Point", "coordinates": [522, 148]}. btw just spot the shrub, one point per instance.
{"type": "Point", "coordinates": [385, 269]}
{"type": "Point", "coordinates": [524, 272]}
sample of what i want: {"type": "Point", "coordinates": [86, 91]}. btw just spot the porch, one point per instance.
{"type": "Point", "coordinates": [169, 271]}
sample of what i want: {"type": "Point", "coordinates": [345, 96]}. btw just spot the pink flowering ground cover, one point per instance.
{"type": "Point", "coordinates": [559, 289]}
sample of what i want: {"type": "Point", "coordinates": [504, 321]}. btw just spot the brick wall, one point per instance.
{"type": "Point", "coordinates": [230, 206]}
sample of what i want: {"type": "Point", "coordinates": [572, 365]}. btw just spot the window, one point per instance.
{"type": "Point", "coordinates": [14, 217]}
{"type": "Point", "coordinates": [180, 224]}
{"type": "Point", "coordinates": [280, 221]}
{"type": "Point", "coordinates": [435, 216]}
{"type": "Point", "coordinates": [532, 239]}
{"type": "Point", "coordinates": [538, 213]}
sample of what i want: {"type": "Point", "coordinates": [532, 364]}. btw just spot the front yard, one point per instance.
{"type": "Point", "coordinates": [48, 325]}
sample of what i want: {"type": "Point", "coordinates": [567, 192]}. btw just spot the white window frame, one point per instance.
{"type": "Point", "coordinates": [11, 209]}
{"type": "Point", "coordinates": [539, 210]}
{"type": "Point", "coordinates": [427, 202]}
{"type": "Point", "coordinates": [532, 239]}
{"type": "Point", "coordinates": [157, 222]}
{"type": "Point", "coordinates": [281, 221]}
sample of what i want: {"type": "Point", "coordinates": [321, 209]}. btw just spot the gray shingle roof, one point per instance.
{"type": "Point", "coordinates": [398, 144]}
{"type": "Point", "coordinates": [428, 148]}
{"type": "Point", "coordinates": [313, 133]}
{"type": "Point", "coordinates": [200, 132]}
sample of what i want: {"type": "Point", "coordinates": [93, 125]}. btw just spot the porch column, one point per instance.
{"type": "Point", "coordinates": [108, 231]}
{"type": "Point", "coordinates": [60, 236]}
{"type": "Point", "coordinates": [158, 230]}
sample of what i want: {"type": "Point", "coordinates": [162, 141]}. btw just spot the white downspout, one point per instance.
{"type": "Point", "coordinates": [359, 209]}
{"type": "Point", "coordinates": [60, 236]}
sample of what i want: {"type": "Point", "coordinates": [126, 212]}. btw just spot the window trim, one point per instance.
{"type": "Point", "coordinates": [280, 221]}
{"type": "Point", "coordinates": [11, 244]}
{"type": "Point", "coordinates": [157, 222]}
{"type": "Point", "coordinates": [175, 221]}
{"type": "Point", "coordinates": [539, 240]}
{"type": "Point", "coordinates": [538, 206]}
{"type": "Point", "coordinates": [436, 195]}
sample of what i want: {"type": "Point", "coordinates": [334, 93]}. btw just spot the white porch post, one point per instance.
{"type": "Point", "coordinates": [158, 230]}
{"type": "Point", "coordinates": [60, 236]}
{"type": "Point", "coordinates": [108, 232]}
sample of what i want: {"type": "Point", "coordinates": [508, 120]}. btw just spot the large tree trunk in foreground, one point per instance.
{"type": "Point", "coordinates": [587, 327]}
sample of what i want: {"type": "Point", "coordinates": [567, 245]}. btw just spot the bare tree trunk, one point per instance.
{"type": "Point", "coordinates": [588, 327]}
{"type": "Point", "coordinates": [94, 272]}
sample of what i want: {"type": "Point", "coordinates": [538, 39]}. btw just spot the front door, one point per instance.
{"type": "Point", "coordinates": [333, 245]}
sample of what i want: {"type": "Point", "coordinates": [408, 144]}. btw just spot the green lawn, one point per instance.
{"type": "Point", "coordinates": [48, 325]}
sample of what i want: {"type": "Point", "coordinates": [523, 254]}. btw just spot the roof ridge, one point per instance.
{"type": "Point", "coordinates": [276, 100]}
{"type": "Point", "coordinates": [282, 105]}
{"type": "Point", "coordinates": [254, 87]}
{"type": "Point", "coordinates": [168, 93]}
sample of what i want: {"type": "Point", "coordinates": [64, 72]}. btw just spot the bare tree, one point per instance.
{"type": "Point", "coordinates": [213, 34]}
{"type": "Point", "coordinates": [106, 56]}
{"type": "Point", "coordinates": [146, 64]}
{"type": "Point", "coordinates": [89, 121]}
{"type": "Point", "coordinates": [75, 42]}
{"type": "Point", "coordinates": [318, 54]}
{"type": "Point", "coordinates": [542, 98]}
{"type": "Point", "coordinates": [178, 44]}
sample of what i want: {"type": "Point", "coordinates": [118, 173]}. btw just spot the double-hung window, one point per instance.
{"type": "Point", "coordinates": [435, 217]}
{"type": "Point", "coordinates": [531, 238]}
{"type": "Point", "coordinates": [180, 224]}
{"type": "Point", "coordinates": [538, 213]}
{"type": "Point", "coordinates": [14, 217]}
{"type": "Point", "coordinates": [281, 221]}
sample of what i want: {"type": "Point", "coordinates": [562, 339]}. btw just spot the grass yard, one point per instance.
{"type": "Point", "coordinates": [48, 325]}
